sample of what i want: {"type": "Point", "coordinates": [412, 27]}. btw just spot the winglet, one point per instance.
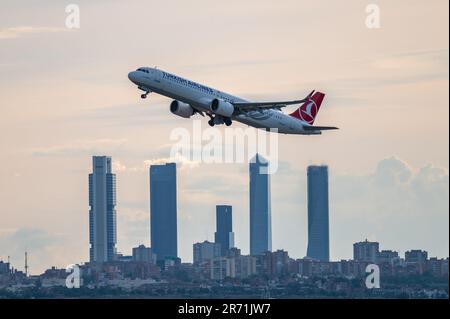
{"type": "Point", "coordinates": [310, 94]}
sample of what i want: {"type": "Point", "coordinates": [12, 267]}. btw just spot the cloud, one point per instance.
{"type": "Point", "coordinates": [396, 69]}
{"type": "Point", "coordinates": [133, 115]}
{"type": "Point", "coordinates": [395, 188]}
{"type": "Point", "coordinates": [414, 61]}
{"type": "Point", "coordinates": [182, 162]}
{"type": "Point", "coordinates": [412, 67]}
{"type": "Point", "coordinates": [133, 228]}
{"type": "Point", "coordinates": [398, 205]}
{"type": "Point", "coordinates": [20, 31]}
{"type": "Point", "coordinates": [44, 249]}
{"type": "Point", "coordinates": [81, 148]}
{"type": "Point", "coordinates": [214, 67]}
{"type": "Point", "coordinates": [23, 238]}
{"type": "Point", "coordinates": [392, 172]}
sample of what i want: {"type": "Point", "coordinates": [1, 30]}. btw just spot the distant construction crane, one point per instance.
{"type": "Point", "coordinates": [26, 263]}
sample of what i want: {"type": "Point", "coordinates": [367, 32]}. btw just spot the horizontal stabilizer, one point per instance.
{"type": "Point", "coordinates": [319, 128]}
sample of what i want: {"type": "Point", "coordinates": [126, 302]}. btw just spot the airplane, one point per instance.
{"type": "Point", "coordinates": [190, 98]}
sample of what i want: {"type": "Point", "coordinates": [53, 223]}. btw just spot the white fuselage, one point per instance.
{"type": "Point", "coordinates": [200, 96]}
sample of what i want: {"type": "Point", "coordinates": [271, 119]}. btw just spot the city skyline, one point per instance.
{"type": "Point", "coordinates": [163, 178]}
{"type": "Point", "coordinates": [227, 275]}
{"type": "Point", "coordinates": [149, 270]}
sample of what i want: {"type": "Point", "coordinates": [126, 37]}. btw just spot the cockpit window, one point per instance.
{"type": "Point", "coordinates": [142, 70]}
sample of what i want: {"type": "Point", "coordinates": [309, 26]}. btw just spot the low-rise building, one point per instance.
{"type": "Point", "coordinates": [222, 267]}
{"type": "Point", "coordinates": [206, 251]}
{"type": "Point", "coordinates": [366, 251]}
{"type": "Point", "coordinates": [143, 254]}
{"type": "Point", "coordinates": [416, 256]}
{"type": "Point", "coordinates": [388, 257]}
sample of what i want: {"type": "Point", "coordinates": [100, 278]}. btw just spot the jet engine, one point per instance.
{"type": "Point", "coordinates": [222, 107]}
{"type": "Point", "coordinates": [181, 109]}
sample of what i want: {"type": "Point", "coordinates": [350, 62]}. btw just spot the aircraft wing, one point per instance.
{"type": "Point", "coordinates": [319, 128]}
{"type": "Point", "coordinates": [266, 105]}
{"type": "Point", "coordinates": [247, 106]}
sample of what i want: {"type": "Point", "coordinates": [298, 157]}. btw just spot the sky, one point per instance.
{"type": "Point", "coordinates": [65, 96]}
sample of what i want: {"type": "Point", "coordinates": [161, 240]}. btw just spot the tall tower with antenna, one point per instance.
{"type": "Point", "coordinates": [26, 263]}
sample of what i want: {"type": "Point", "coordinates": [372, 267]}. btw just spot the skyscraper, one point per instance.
{"type": "Point", "coordinates": [102, 213]}
{"type": "Point", "coordinates": [163, 210]}
{"type": "Point", "coordinates": [318, 225]}
{"type": "Point", "coordinates": [224, 228]}
{"type": "Point", "coordinates": [260, 215]}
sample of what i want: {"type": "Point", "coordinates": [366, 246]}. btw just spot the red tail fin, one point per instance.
{"type": "Point", "coordinates": [308, 111]}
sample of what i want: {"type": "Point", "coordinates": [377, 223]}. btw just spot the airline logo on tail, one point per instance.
{"type": "Point", "coordinates": [308, 111]}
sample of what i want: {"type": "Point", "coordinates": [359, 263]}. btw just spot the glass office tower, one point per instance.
{"type": "Point", "coordinates": [224, 228]}
{"type": "Point", "coordinates": [318, 226]}
{"type": "Point", "coordinates": [163, 210]}
{"type": "Point", "coordinates": [260, 214]}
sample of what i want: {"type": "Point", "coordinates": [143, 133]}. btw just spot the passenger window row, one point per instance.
{"type": "Point", "coordinates": [143, 70]}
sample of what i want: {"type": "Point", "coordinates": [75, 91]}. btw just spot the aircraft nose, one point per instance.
{"type": "Point", "coordinates": [132, 76]}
